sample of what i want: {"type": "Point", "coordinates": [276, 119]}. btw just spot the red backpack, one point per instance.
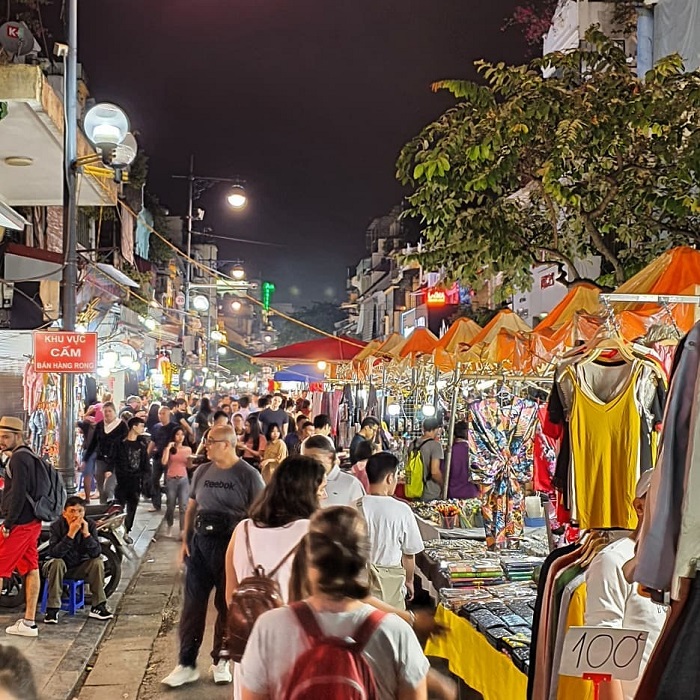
{"type": "Point", "coordinates": [332, 669]}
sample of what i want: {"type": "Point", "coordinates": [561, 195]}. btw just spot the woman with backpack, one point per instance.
{"type": "Point", "coordinates": [289, 648]}
{"type": "Point", "coordinates": [279, 519]}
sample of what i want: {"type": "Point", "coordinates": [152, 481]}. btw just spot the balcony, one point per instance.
{"type": "Point", "coordinates": [31, 144]}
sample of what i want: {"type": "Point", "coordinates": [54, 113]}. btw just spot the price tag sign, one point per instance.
{"type": "Point", "coordinates": [601, 651]}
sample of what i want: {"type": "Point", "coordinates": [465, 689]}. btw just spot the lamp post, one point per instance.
{"type": "Point", "coordinates": [108, 128]}
{"type": "Point", "coordinates": [196, 185]}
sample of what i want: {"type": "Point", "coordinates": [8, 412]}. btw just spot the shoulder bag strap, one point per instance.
{"type": "Point", "coordinates": [286, 558]}
{"type": "Point", "coordinates": [307, 620]}
{"type": "Point", "coordinates": [247, 544]}
{"type": "Point", "coordinates": [367, 628]}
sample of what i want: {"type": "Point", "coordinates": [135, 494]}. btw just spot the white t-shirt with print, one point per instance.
{"type": "Point", "coordinates": [392, 530]}
{"type": "Point", "coordinates": [277, 640]}
{"type": "Point", "coordinates": [343, 489]}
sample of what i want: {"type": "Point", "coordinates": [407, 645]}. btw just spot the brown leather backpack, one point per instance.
{"type": "Point", "coordinates": [254, 596]}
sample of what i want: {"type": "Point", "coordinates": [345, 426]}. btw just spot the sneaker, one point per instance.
{"type": "Point", "coordinates": [51, 617]}
{"type": "Point", "coordinates": [222, 672]}
{"type": "Point", "coordinates": [128, 539]}
{"type": "Point", "coordinates": [101, 612]}
{"type": "Point", "coordinates": [181, 675]}
{"type": "Point", "coordinates": [22, 629]}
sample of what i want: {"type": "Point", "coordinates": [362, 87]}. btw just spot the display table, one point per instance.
{"type": "Point", "coordinates": [475, 661]}
{"type": "Point", "coordinates": [430, 531]}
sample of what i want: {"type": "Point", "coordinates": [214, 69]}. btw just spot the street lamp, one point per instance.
{"type": "Point", "coordinates": [107, 127]}
{"type": "Point", "coordinates": [217, 336]}
{"type": "Point", "coordinates": [236, 305]}
{"type": "Point", "coordinates": [238, 273]}
{"type": "Point", "coordinates": [237, 198]}
{"type": "Point", "coordinates": [200, 303]}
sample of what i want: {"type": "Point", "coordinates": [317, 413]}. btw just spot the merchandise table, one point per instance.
{"type": "Point", "coordinates": [475, 661]}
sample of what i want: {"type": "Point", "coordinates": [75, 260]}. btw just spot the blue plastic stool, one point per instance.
{"type": "Point", "coordinates": [70, 603]}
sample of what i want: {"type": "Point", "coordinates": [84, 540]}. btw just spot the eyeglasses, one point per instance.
{"type": "Point", "coordinates": [209, 441]}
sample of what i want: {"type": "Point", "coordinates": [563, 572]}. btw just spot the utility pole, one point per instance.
{"type": "Point", "coordinates": [70, 271]}
{"type": "Point", "coordinates": [188, 267]}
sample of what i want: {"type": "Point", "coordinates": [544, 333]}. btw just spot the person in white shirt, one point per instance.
{"type": "Point", "coordinates": [613, 602]}
{"type": "Point", "coordinates": [343, 489]}
{"type": "Point", "coordinates": [393, 533]}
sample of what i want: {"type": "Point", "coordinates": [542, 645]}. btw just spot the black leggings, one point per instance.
{"type": "Point", "coordinates": [128, 495]}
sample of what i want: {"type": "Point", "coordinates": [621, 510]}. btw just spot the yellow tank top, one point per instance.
{"type": "Point", "coordinates": [605, 455]}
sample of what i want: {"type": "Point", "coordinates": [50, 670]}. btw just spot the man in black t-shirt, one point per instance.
{"type": "Point", "coordinates": [160, 438]}
{"type": "Point", "coordinates": [274, 414]}
{"type": "Point", "coordinates": [368, 431]}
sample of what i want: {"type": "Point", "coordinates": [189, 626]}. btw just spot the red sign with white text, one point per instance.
{"type": "Point", "coordinates": [70, 353]}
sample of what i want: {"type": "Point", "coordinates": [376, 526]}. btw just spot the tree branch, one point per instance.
{"type": "Point", "coordinates": [602, 248]}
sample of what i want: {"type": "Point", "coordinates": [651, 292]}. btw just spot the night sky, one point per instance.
{"type": "Point", "coordinates": [309, 101]}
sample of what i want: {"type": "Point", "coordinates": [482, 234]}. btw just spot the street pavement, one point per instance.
{"type": "Point", "coordinates": [61, 653]}
{"type": "Point", "coordinates": [141, 648]}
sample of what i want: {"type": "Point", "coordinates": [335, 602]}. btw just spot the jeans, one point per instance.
{"type": "Point", "coordinates": [178, 491]}
{"type": "Point", "coordinates": [156, 488]}
{"type": "Point", "coordinates": [205, 570]}
{"type": "Point", "coordinates": [92, 571]}
{"type": "Point", "coordinates": [105, 486]}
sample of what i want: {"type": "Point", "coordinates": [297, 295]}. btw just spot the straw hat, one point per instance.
{"type": "Point", "coordinates": [13, 425]}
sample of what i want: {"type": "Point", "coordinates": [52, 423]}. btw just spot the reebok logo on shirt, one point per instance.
{"type": "Point", "coordinates": [219, 485]}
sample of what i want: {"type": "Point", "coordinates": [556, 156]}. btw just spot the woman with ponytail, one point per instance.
{"type": "Point", "coordinates": [336, 550]}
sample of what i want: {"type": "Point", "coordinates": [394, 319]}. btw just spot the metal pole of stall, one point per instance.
{"type": "Point", "coordinates": [451, 429]}
{"type": "Point", "coordinates": [70, 271]}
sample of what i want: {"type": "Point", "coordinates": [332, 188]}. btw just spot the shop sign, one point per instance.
{"type": "Point", "coordinates": [603, 653]}
{"type": "Point", "coordinates": [65, 352]}
{"type": "Point", "coordinates": [547, 281]}
{"type": "Point", "coordinates": [436, 297]}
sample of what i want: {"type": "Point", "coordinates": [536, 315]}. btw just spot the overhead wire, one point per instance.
{"type": "Point", "coordinates": [221, 275]}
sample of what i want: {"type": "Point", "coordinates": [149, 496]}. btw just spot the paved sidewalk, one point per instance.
{"type": "Point", "coordinates": [61, 653]}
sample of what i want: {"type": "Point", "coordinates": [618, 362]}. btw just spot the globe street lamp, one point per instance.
{"type": "Point", "coordinates": [197, 184]}
{"type": "Point", "coordinates": [237, 197]}
{"type": "Point", "coordinates": [107, 127]}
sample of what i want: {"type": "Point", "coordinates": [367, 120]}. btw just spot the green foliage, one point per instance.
{"type": "Point", "coordinates": [322, 315]}
{"type": "Point", "coordinates": [237, 364]}
{"type": "Point", "coordinates": [589, 161]}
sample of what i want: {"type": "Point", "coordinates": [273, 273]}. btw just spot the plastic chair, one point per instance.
{"type": "Point", "coordinates": [73, 598]}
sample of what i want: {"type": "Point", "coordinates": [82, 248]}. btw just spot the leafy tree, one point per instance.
{"type": "Point", "coordinates": [322, 315]}
{"type": "Point", "coordinates": [587, 161]}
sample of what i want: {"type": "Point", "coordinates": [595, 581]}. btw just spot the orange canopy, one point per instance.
{"type": "Point", "coordinates": [583, 298]}
{"type": "Point", "coordinates": [392, 345]}
{"type": "Point", "coordinates": [677, 272]}
{"type": "Point", "coordinates": [420, 342]}
{"type": "Point", "coordinates": [505, 319]}
{"type": "Point", "coordinates": [460, 334]}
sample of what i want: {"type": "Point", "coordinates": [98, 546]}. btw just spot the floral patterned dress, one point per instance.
{"type": "Point", "coordinates": [501, 438]}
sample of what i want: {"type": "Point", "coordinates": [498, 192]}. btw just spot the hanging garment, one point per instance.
{"type": "Point", "coordinates": [605, 449]}
{"type": "Point", "coordinates": [656, 558]}
{"type": "Point", "coordinates": [501, 447]}
{"type": "Point", "coordinates": [545, 454]}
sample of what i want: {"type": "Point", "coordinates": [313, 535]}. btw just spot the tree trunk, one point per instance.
{"type": "Point", "coordinates": [600, 245]}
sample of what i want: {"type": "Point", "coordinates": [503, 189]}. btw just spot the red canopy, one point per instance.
{"type": "Point", "coordinates": [340, 349]}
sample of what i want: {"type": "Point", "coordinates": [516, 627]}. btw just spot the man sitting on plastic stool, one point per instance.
{"type": "Point", "coordinates": [76, 554]}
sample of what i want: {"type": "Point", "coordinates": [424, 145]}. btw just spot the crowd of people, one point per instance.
{"type": "Point", "coordinates": [260, 490]}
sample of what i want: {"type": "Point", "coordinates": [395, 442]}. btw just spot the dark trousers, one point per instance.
{"type": "Point", "coordinates": [156, 483]}
{"type": "Point", "coordinates": [205, 570]}
{"type": "Point", "coordinates": [128, 492]}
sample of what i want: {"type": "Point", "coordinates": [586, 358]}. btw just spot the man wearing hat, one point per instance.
{"type": "Point", "coordinates": [20, 530]}
{"type": "Point", "coordinates": [613, 602]}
